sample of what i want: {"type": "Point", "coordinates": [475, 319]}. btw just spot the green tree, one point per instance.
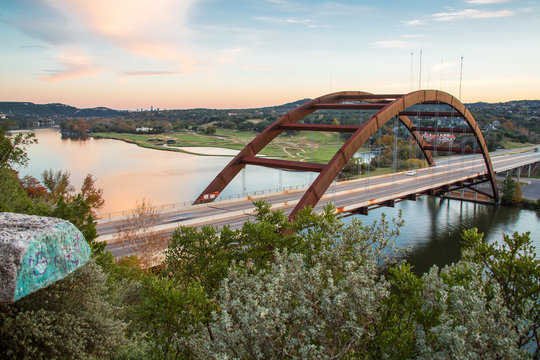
{"type": "Point", "coordinates": [70, 319]}
{"type": "Point", "coordinates": [210, 130]}
{"type": "Point", "coordinates": [58, 183]}
{"type": "Point", "coordinates": [77, 211]}
{"type": "Point", "coordinates": [511, 190]}
{"type": "Point", "coordinates": [91, 195]}
{"type": "Point", "coordinates": [518, 194]}
{"type": "Point", "coordinates": [508, 190]}
{"type": "Point", "coordinates": [168, 313]}
{"type": "Point", "coordinates": [205, 255]}
{"type": "Point", "coordinates": [13, 197]}
{"type": "Point", "coordinates": [514, 267]}
{"type": "Point", "coordinates": [13, 148]}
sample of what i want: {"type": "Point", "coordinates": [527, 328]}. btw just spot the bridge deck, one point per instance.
{"type": "Point", "coordinates": [347, 196]}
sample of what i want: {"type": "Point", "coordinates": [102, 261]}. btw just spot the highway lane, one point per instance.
{"type": "Point", "coordinates": [343, 194]}
{"type": "Point", "coordinates": [464, 167]}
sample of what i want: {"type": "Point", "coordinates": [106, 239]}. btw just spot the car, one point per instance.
{"type": "Point", "coordinates": [410, 173]}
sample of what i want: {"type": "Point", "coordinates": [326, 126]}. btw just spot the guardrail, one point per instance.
{"type": "Point", "coordinates": [180, 205]}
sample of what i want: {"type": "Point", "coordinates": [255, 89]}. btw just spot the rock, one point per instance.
{"type": "Point", "coordinates": [36, 251]}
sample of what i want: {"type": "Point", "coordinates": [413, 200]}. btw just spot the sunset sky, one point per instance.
{"type": "Point", "coordinates": [130, 54]}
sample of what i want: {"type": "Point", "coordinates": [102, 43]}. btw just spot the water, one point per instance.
{"type": "Point", "coordinates": [128, 173]}
{"type": "Point", "coordinates": [433, 227]}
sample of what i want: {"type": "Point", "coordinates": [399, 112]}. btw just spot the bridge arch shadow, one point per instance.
{"type": "Point", "coordinates": [387, 107]}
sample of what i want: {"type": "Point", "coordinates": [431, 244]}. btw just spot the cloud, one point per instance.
{"type": "Point", "coordinates": [76, 64]}
{"type": "Point", "coordinates": [43, 24]}
{"type": "Point", "coordinates": [151, 73]}
{"type": "Point", "coordinates": [413, 22]}
{"type": "Point", "coordinates": [466, 14]}
{"type": "Point", "coordinates": [395, 44]}
{"type": "Point", "coordinates": [151, 28]}
{"type": "Point", "coordinates": [154, 29]}
{"type": "Point", "coordinates": [471, 14]}
{"type": "Point", "coordinates": [485, 2]}
{"type": "Point", "coordinates": [336, 8]}
{"type": "Point", "coordinates": [413, 36]}
{"type": "Point", "coordinates": [277, 20]}
{"type": "Point", "coordinates": [325, 8]}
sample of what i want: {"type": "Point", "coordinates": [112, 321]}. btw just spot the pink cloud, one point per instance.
{"type": "Point", "coordinates": [75, 63]}
{"type": "Point", "coordinates": [152, 28]}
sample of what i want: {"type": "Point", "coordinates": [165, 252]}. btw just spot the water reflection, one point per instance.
{"type": "Point", "coordinates": [433, 227]}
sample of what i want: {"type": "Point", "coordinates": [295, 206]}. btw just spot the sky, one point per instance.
{"type": "Point", "coordinates": [178, 54]}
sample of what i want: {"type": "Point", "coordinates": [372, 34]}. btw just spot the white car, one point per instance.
{"type": "Point", "coordinates": [410, 173]}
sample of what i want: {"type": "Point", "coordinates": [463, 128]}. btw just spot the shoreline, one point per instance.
{"type": "Point", "coordinates": [162, 148]}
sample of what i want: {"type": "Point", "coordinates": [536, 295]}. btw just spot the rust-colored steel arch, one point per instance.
{"type": "Point", "coordinates": [387, 106]}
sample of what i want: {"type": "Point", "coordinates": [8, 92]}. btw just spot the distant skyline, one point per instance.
{"type": "Point", "coordinates": [172, 54]}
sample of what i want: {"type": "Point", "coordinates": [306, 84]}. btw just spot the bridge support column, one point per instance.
{"type": "Point", "coordinates": [529, 170]}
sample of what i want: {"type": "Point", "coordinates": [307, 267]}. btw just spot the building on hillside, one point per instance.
{"type": "Point", "coordinates": [438, 138]}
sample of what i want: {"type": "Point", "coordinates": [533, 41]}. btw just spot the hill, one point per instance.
{"type": "Point", "coordinates": [55, 110]}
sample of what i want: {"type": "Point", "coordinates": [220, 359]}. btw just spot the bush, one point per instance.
{"type": "Point", "coordinates": [70, 319]}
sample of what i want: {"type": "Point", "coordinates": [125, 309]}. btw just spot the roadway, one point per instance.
{"type": "Point", "coordinates": [345, 196]}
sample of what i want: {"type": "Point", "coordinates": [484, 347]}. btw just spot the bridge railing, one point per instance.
{"type": "Point", "coordinates": [183, 204]}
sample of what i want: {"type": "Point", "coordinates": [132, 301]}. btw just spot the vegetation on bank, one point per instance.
{"type": "Point", "coordinates": [507, 125]}
{"type": "Point", "coordinates": [311, 288]}
{"type": "Point", "coordinates": [512, 195]}
{"type": "Point", "coordinates": [299, 146]}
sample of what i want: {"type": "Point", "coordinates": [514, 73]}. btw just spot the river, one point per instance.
{"type": "Point", "coordinates": [128, 173]}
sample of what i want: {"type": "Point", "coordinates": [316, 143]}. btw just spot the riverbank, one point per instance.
{"type": "Point", "coordinates": [147, 145]}
{"type": "Point", "coordinates": [302, 146]}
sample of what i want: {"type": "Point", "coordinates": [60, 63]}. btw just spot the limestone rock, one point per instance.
{"type": "Point", "coordinates": [36, 251]}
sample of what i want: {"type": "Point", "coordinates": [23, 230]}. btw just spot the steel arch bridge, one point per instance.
{"type": "Point", "coordinates": [387, 107]}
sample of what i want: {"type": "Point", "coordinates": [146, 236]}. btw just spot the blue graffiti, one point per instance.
{"type": "Point", "coordinates": [51, 258]}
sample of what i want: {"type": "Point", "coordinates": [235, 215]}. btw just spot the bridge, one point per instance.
{"type": "Point", "coordinates": [472, 167]}
{"type": "Point", "coordinates": [419, 104]}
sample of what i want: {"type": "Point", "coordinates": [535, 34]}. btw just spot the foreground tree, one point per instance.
{"type": "Point", "coordinates": [58, 183]}
{"type": "Point", "coordinates": [70, 319]}
{"type": "Point", "coordinates": [515, 270]}
{"type": "Point", "coordinates": [286, 255]}
{"type": "Point", "coordinates": [138, 233]}
{"type": "Point", "coordinates": [511, 190]}
{"type": "Point", "coordinates": [13, 148]}
{"type": "Point", "coordinates": [328, 298]}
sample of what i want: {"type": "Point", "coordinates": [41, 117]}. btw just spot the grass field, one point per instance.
{"type": "Point", "coordinates": [310, 147]}
{"type": "Point", "coordinates": [508, 144]}
{"type": "Point", "coordinates": [317, 147]}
